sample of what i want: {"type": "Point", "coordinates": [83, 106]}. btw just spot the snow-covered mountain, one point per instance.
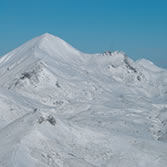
{"type": "Point", "coordinates": [64, 108]}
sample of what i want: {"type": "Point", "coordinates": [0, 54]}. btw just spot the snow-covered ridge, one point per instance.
{"type": "Point", "coordinates": [60, 107]}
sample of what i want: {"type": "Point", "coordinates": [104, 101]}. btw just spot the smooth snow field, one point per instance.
{"type": "Point", "coordinates": [60, 107]}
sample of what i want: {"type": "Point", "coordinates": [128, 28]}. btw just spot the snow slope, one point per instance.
{"type": "Point", "coordinates": [64, 108]}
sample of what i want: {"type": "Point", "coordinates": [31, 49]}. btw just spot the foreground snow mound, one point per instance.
{"type": "Point", "coordinates": [64, 108]}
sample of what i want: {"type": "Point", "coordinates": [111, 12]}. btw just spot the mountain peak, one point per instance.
{"type": "Point", "coordinates": [47, 36]}
{"type": "Point", "coordinates": [46, 47]}
{"type": "Point", "coordinates": [54, 44]}
{"type": "Point", "coordinates": [55, 47]}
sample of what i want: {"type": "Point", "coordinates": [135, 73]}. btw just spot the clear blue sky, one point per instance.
{"type": "Point", "coordinates": [137, 27]}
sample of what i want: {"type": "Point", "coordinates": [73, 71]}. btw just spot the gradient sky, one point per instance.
{"type": "Point", "coordinates": [137, 27]}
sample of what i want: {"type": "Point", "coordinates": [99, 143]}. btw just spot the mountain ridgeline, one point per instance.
{"type": "Point", "coordinates": [64, 108]}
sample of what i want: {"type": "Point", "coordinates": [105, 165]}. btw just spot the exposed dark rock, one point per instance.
{"type": "Point", "coordinates": [26, 75]}
{"type": "Point", "coordinates": [108, 53]}
{"type": "Point", "coordinates": [58, 85]}
{"type": "Point", "coordinates": [128, 65]}
{"type": "Point", "coordinates": [51, 119]}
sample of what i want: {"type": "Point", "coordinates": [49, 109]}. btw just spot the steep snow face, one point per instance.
{"type": "Point", "coordinates": [148, 65]}
{"type": "Point", "coordinates": [47, 43]}
{"type": "Point", "coordinates": [64, 108]}
{"type": "Point", "coordinates": [46, 48]}
{"type": "Point", "coordinates": [52, 55]}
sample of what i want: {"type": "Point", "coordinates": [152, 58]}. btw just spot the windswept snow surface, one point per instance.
{"type": "Point", "coordinates": [60, 107]}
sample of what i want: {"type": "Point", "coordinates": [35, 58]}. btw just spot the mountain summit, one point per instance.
{"type": "Point", "coordinates": [64, 108]}
{"type": "Point", "coordinates": [45, 44]}
{"type": "Point", "coordinates": [54, 54]}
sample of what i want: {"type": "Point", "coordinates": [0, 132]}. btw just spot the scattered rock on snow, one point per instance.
{"type": "Point", "coordinates": [49, 118]}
